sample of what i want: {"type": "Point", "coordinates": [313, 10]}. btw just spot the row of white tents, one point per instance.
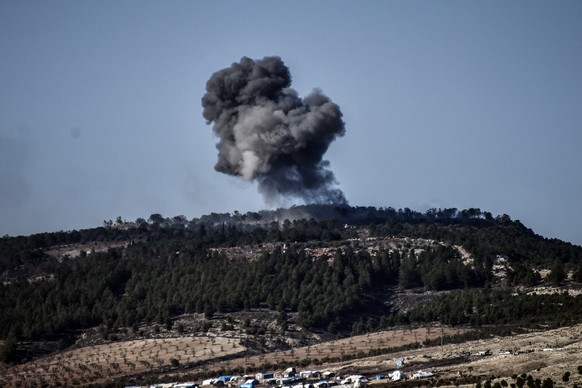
{"type": "Point", "coordinates": [291, 379]}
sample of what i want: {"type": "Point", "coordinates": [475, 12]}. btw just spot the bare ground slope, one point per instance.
{"type": "Point", "coordinates": [542, 354]}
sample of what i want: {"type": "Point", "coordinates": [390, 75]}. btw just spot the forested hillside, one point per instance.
{"type": "Point", "coordinates": [335, 267]}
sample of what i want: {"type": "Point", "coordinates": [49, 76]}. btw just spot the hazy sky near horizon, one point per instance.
{"type": "Point", "coordinates": [446, 104]}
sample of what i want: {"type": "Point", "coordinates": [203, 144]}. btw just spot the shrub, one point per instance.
{"type": "Point", "coordinates": [548, 383]}
{"type": "Point", "coordinates": [9, 350]}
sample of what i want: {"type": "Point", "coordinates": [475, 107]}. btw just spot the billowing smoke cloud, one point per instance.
{"type": "Point", "coordinates": [269, 134]}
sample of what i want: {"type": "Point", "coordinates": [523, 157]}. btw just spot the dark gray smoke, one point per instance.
{"type": "Point", "coordinates": [268, 134]}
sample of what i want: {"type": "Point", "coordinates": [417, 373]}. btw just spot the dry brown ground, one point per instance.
{"type": "Point", "coordinates": [347, 346]}
{"type": "Point", "coordinates": [541, 354]}
{"type": "Point", "coordinates": [102, 363]}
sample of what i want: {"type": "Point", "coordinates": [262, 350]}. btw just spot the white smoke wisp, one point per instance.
{"type": "Point", "coordinates": [270, 135]}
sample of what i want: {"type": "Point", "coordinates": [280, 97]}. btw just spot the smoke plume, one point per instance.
{"type": "Point", "coordinates": [268, 134]}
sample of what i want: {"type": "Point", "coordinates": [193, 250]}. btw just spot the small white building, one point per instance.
{"type": "Point", "coordinates": [355, 380]}
{"type": "Point", "coordinates": [421, 374]}
{"type": "Point", "coordinates": [396, 375]}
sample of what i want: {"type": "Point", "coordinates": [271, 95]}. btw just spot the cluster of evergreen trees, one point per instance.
{"type": "Point", "coordinates": [499, 307]}
{"type": "Point", "coordinates": [150, 282]}
{"type": "Point", "coordinates": [168, 269]}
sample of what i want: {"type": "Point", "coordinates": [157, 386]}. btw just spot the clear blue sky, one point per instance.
{"type": "Point", "coordinates": [446, 104]}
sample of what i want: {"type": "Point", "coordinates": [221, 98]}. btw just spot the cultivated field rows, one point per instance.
{"type": "Point", "coordinates": [105, 362]}
{"type": "Point", "coordinates": [344, 347]}
{"type": "Point", "coordinates": [113, 360]}
{"type": "Point", "coordinates": [544, 354]}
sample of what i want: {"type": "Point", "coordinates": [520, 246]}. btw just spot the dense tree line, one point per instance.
{"type": "Point", "coordinates": [168, 268]}
{"type": "Point", "coordinates": [510, 238]}
{"type": "Point", "coordinates": [150, 282]}
{"type": "Point", "coordinates": [499, 307]}
{"type": "Point", "coordinates": [440, 268]}
{"type": "Point", "coordinates": [479, 232]}
{"type": "Point", "coordinates": [153, 281]}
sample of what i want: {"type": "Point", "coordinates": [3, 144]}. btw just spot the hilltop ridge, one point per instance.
{"type": "Point", "coordinates": [316, 272]}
